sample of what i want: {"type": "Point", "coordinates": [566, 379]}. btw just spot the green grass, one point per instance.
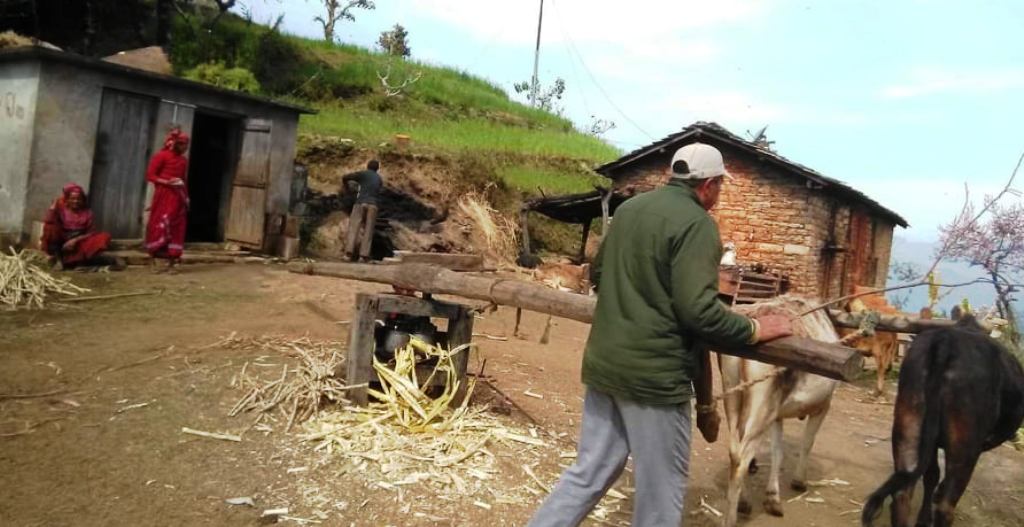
{"type": "Point", "coordinates": [454, 134]}
{"type": "Point", "coordinates": [529, 178]}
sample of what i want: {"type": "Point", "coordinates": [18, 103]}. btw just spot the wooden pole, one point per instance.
{"type": "Point", "coordinates": [583, 245]}
{"type": "Point", "coordinates": [606, 212]}
{"type": "Point", "coordinates": [829, 360]}
{"type": "Point", "coordinates": [898, 324]}
{"type": "Point", "coordinates": [524, 224]}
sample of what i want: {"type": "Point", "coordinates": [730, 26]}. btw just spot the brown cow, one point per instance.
{"type": "Point", "coordinates": [883, 347]}
{"type": "Point", "coordinates": [960, 391]}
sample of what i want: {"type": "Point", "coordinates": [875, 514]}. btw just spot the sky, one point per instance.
{"type": "Point", "coordinates": [906, 100]}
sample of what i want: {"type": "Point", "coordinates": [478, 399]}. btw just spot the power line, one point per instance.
{"type": "Point", "coordinates": [593, 79]}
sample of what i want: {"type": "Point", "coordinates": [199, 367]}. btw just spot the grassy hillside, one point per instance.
{"type": "Point", "coordinates": [522, 150]}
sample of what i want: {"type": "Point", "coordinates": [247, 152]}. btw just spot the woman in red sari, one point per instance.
{"type": "Point", "coordinates": [68, 235]}
{"type": "Point", "coordinates": [168, 212]}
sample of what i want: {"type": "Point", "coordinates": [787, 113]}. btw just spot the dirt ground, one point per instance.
{"type": "Point", "coordinates": [94, 455]}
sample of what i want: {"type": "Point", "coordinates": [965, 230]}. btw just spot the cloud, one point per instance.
{"type": "Point", "coordinates": [586, 21]}
{"type": "Point", "coordinates": [935, 81]}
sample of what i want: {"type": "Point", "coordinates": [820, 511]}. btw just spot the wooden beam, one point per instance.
{"type": "Point", "coordinates": [898, 324]}
{"type": "Point", "coordinates": [455, 262]}
{"type": "Point", "coordinates": [829, 360]}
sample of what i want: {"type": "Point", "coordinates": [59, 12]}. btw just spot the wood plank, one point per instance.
{"type": "Point", "coordinates": [118, 185]}
{"type": "Point", "coordinates": [359, 361]}
{"type": "Point", "coordinates": [789, 351]}
{"type": "Point", "coordinates": [247, 216]}
{"type": "Point", "coordinates": [254, 161]}
{"type": "Point", "coordinates": [419, 307]}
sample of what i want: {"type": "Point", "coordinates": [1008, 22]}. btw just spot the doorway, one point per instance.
{"type": "Point", "coordinates": [211, 164]}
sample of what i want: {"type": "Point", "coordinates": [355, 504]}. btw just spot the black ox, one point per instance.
{"type": "Point", "coordinates": [960, 391]}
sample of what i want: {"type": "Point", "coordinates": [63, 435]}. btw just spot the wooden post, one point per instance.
{"type": "Point", "coordinates": [523, 222]}
{"type": "Point", "coordinates": [359, 361]}
{"type": "Point", "coordinates": [583, 245]}
{"type": "Point", "coordinates": [460, 331]}
{"type": "Point", "coordinates": [606, 219]}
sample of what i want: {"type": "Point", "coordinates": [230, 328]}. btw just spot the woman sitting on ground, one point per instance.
{"type": "Point", "coordinates": [69, 238]}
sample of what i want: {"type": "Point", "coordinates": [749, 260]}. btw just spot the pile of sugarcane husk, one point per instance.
{"type": "Point", "coordinates": [300, 391]}
{"type": "Point", "coordinates": [408, 436]}
{"type": "Point", "coordinates": [25, 285]}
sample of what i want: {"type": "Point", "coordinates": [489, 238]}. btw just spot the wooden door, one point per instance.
{"type": "Point", "coordinates": [118, 188]}
{"type": "Point", "coordinates": [247, 212]}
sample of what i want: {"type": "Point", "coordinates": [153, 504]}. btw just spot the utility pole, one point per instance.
{"type": "Point", "coordinates": [535, 82]}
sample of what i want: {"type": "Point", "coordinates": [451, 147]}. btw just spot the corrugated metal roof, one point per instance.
{"type": "Point", "coordinates": [717, 131]}
{"type": "Point", "coordinates": [22, 53]}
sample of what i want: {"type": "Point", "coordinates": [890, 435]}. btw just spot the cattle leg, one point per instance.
{"type": "Point", "coordinates": [814, 423]}
{"type": "Point", "coordinates": [739, 461]}
{"type": "Point", "coordinates": [931, 479]}
{"type": "Point", "coordinates": [960, 465]}
{"type": "Point", "coordinates": [883, 367]}
{"type": "Point", "coordinates": [772, 501]}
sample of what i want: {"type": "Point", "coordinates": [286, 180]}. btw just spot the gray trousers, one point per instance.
{"type": "Point", "coordinates": [364, 217]}
{"type": "Point", "coordinates": [658, 438]}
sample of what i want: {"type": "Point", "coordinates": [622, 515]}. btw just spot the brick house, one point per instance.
{"type": "Point", "coordinates": [826, 236]}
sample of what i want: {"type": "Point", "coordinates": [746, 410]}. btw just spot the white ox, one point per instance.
{"type": "Point", "coordinates": [760, 408]}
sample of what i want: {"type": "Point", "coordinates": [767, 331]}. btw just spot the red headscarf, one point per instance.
{"type": "Point", "coordinates": [71, 220]}
{"type": "Point", "coordinates": [175, 137]}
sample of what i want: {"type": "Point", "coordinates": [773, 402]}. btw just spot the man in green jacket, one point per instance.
{"type": "Point", "coordinates": [657, 308]}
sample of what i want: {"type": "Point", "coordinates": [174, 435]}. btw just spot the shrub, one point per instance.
{"type": "Point", "coordinates": [217, 74]}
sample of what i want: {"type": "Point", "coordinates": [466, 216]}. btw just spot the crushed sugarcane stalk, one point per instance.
{"type": "Point", "coordinates": [110, 297]}
{"type": "Point", "coordinates": [59, 391]}
{"type": "Point", "coordinates": [211, 435]}
{"type": "Point", "coordinates": [25, 285]}
{"type": "Point", "coordinates": [299, 391]}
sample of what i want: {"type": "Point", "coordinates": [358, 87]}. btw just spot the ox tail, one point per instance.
{"type": "Point", "coordinates": [938, 357]}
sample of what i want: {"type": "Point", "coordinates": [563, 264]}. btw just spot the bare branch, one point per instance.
{"type": "Point", "coordinates": [391, 90]}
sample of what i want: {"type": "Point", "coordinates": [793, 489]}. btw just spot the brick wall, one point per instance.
{"type": "Point", "coordinates": [773, 218]}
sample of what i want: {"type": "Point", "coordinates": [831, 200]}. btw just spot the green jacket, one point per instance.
{"type": "Point", "coordinates": [657, 280]}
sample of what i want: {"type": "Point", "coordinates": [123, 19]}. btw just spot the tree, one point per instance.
{"type": "Point", "coordinates": [395, 42]}
{"type": "Point", "coordinates": [992, 240]}
{"type": "Point", "coordinates": [599, 127]}
{"type": "Point", "coordinates": [338, 10]}
{"type": "Point", "coordinates": [546, 97]}
{"type": "Point", "coordinates": [901, 272]}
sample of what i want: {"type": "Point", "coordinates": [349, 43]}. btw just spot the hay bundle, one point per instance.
{"type": "Point", "coordinates": [24, 284]}
{"type": "Point", "coordinates": [496, 232]}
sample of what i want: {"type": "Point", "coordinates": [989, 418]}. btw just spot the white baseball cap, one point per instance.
{"type": "Point", "coordinates": [698, 161]}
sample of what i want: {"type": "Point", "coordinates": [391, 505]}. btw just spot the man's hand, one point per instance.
{"type": "Point", "coordinates": [708, 422]}
{"type": "Point", "coordinates": [773, 326]}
